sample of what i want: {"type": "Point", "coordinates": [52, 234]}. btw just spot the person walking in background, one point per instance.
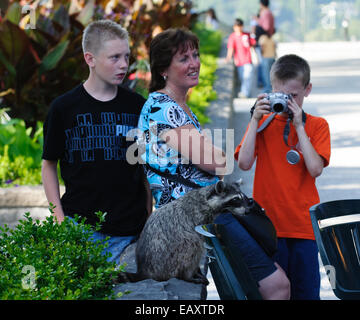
{"type": "Point", "coordinates": [211, 20]}
{"type": "Point", "coordinates": [266, 18]}
{"type": "Point", "coordinates": [238, 46]}
{"type": "Point", "coordinates": [256, 32]}
{"type": "Point", "coordinates": [268, 55]}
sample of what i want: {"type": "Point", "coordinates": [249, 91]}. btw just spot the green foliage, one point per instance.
{"type": "Point", "coordinates": [210, 40]}
{"type": "Point", "coordinates": [51, 261]}
{"type": "Point", "coordinates": [37, 65]}
{"type": "Point", "coordinates": [20, 153]}
{"type": "Point", "coordinates": [19, 171]}
{"type": "Point", "coordinates": [21, 140]}
{"type": "Point", "coordinates": [203, 93]}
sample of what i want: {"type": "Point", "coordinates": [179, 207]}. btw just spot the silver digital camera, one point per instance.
{"type": "Point", "coordinates": [279, 102]}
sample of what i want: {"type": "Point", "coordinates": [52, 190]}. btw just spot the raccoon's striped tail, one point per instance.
{"type": "Point", "coordinates": [129, 277]}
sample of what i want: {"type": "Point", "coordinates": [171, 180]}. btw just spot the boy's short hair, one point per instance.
{"type": "Point", "coordinates": [265, 2]}
{"type": "Point", "coordinates": [290, 67]}
{"type": "Point", "coordinates": [99, 31]}
{"type": "Point", "coordinates": [238, 22]}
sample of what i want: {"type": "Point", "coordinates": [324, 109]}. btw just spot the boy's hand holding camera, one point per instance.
{"type": "Point", "coordinates": [262, 107]}
{"type": "Point", "coordinates": [314, 163]}
{"type": "Point", "coordinates": [297, 120]}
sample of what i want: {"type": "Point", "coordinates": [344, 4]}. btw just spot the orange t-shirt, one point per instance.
{"type": "Point", "coordinates": [286, 191]}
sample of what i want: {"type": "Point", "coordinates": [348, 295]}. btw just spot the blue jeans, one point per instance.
{"type": "Point", "coordinates": [259, 79]}
{"type": "Point", "coordinates": [258, 263]}
{"type": "Point", "coordinates": [116, 244]}
{"type": "Point", "coordinates": [299, 259]}
{"type": "Point", "coordinates": [265, 67]}
{"type": "Point", "coordinates": [245, 74]}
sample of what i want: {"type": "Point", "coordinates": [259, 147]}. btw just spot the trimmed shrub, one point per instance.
{"type": "Point", "coordinates": [51, 261]}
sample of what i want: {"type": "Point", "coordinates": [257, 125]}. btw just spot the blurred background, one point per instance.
{"type": "Point", "coordinates": [296, 20]}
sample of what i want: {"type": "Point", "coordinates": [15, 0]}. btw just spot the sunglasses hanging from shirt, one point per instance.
{"type": "Point", "coordinates": [292, 156]}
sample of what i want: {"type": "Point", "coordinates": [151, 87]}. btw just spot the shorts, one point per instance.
{"type": "Point", "coordinates": [258, 262]}
{"type": "Point", "coordinates": [300, 261]}
{"type": "Point", "coordinates": [116, 244]}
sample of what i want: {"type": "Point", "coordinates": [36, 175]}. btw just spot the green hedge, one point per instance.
{"type": "Point", "coordinates": [203, 93]}
{"type": "Point", "coordinates": [20, 153]}
{"type": "Point", "coordinates": [51, 261]}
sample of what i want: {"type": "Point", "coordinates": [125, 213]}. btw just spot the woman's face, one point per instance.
{"type": "Point", "coordinates": [184, 69]}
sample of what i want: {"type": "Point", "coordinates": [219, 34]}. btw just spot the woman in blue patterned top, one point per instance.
{"type": "Point", "coordinates": [171, 142]}
{"type": "Point", "coordinates": [166, 117]}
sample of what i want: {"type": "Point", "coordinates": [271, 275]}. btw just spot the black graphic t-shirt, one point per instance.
{"type": "Point", "coordinates": [88, 136]}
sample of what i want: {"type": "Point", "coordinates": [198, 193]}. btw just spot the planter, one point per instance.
{"type": "Point", "coordinates": [15, 201]}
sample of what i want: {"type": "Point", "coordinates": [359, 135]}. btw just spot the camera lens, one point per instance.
{"type": "Point", "coordinates": [278, 107]}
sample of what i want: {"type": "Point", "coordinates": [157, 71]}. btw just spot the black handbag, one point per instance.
{"type": "Point", "coordinates": [254, 220]}
{"type": "Point", "coordinates": [259, 226]}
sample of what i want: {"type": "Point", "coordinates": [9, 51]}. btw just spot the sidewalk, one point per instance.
{"type": "Point", "coordinates": [336, 97]}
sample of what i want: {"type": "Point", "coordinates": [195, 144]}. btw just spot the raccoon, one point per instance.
{"type": "Point", "coordinates": [169, 246]}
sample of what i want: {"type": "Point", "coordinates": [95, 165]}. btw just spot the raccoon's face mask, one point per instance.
{"type": "Point", "coordinates": [236, 205]}
{"type": "Point", "coordinates": [228, 197]}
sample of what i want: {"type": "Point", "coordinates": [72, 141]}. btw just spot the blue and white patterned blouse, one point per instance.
{"type": "Point", "coordinates": [160, 113]}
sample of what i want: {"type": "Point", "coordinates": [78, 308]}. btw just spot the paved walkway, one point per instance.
{"type": "Point", "coordinates": [336, 97]}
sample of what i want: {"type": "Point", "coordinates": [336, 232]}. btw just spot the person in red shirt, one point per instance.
{"type": "Point", "coordinates": [239, 44]}
{"type": "Point", "coordinates": [266, 18]}
{"type": "Point", "coordinates": [286, 189]}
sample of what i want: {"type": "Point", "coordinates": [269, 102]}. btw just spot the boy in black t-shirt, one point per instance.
{"type": "Point", "coordinates": [86, 131]}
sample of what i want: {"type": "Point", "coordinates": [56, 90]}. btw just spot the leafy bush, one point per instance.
{"type": "Point", "coordinates": [18, 171]}
{"type": "Point", "coordinates": [51, 261]}
{"type": "Point", "coordinates": [20, 153]}
{"type": "Point", "coordinates": [203, 93]}
{"type": "Point", "coordinates": [210, 40]}
{"type": "Point", "coordinates": [21, 140]}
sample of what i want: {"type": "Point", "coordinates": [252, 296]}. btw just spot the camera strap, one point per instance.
{"type": "Point", "coordinates": [287, 128]}
{"type": "Point", "coordinates": [266, 123]}
{"type": "Point", "coordinates": [292, 156]}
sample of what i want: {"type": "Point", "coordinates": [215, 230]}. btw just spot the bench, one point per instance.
{"type": "Point", "coordinates": [336, 227]}
{"type": "Point", "coordinates": [231, 276]}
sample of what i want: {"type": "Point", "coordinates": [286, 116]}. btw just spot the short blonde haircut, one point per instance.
{"type": "Point", "coordinates": [97, 32]}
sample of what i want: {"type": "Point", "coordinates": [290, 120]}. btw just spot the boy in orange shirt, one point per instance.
{"type": "Point", "coordinates": [287, 190]}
